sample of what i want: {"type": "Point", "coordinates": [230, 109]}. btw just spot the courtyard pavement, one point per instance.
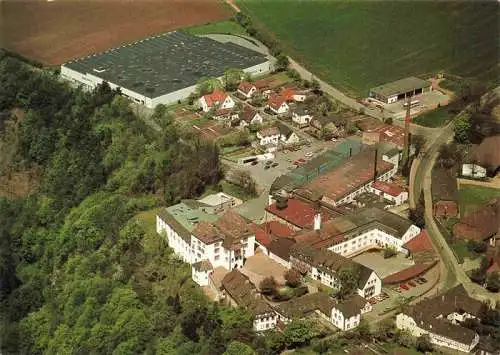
{"type": "Point", "coordinates": [383, 267]}
{"type": "Point", "coordinates": [260, 266]}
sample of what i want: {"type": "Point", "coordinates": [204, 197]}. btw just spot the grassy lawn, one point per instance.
{"type": "Point", "coordinates": [451, 85]}
{"type": "Point", "coordinates": [357, 45]}
{"type": "Point", "coordinates": [460, 248]}
{"type": "Point", "coordinates": [471, 197]}
{"type": "Point", "coordinates": [230, 189]}
{"type": "Point", "coordinates": [434, 118]}
{"type": "Point", "coordinates": [223, 27]}
{"type": "Point", "coordinates": [151, 240]}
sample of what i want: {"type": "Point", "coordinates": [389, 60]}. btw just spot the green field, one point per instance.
{"type": "Point", "coordinates": [356, 45]}
{"type": "Point", "coordinates": [472, 197]}
{"type": "Point", "coordinates": [434, 118]}
{"type": "Point", "coordinates": [222, 27]}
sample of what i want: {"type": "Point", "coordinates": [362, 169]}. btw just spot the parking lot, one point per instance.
{"type": "Point", "coordinates": [383, 267]}
{"type": "Point", "coordinates": [264, 177]}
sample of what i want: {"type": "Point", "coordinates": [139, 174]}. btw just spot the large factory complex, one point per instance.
{"type": "Point", "coordinates": [163, 69]}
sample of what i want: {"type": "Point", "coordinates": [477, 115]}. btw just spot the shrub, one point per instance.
{"type": "Point", "coordinates": [301, 291]}
{"type": "Point", "coordinates": [268, 286]}
{"type": "Point", "coordinates": [389, 253]}
{"type": "Point", "coordinates": [292, 277]}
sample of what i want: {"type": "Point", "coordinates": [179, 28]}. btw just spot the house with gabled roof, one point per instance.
{"type": "Point", "coordinates": [269, 135]}
{"type": "Point", "coordinates": [248, 117]}
{"type": "Point", "coordinates": [440, 317]}
{"type": "Point", "coordinates": [278, 104]}
{"type": "Point", "coordinates": [247, 89]}
{"type": "Point", "coordinates": [323, 265]}
{"type": "Point", "coordinates": [218, 99]}
{"type": "Point", "coordinates": [287, 135]}
{"type": "Point", "coordinates": [346, 315]}
{"type": "Point", "coordinates": [302, 116]}
{"type": "Point", "coordinates": [238, 290]}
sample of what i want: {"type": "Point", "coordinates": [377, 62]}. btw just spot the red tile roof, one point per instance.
{"type": "Point", "coordinates": [266, 232]}
{"type": "Point", "coordinates": [389, 188]}
{"type": "Point", "coordinates": [288, 93]}
{"type": "Point", "coordinates": [408, 273]}
{"type": "Point", "coordinates": [245, 87]}
{"type": "Point", "coordinates": [276, 100]}
{"type": "Point", "coordinates": [298, 213]}
{"type": "Point", "coordinates": [217, 97]}
{"type": "Point", "coordinates": [420, 243]}
{"type": "Point", "coordinates": [388, 133]}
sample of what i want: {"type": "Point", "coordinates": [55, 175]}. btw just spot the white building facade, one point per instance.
{"type": "Point", "coordinates": [406, 322]}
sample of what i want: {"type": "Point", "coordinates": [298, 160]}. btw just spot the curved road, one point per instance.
{"type": "Point", "coordinates": [452, 272]}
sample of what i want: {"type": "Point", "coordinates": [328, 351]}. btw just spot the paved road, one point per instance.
{"type": "Point", "coordinates": [452, 272]}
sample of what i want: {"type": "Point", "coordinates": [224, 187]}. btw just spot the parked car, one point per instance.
{"type": "Point", "coordinates": [333, 139]}
{"type": "Point", "coordinates": [424, 280]}
{"type": "Point", "coordinates": [266, 167]}
{"type": "Point", "coordinates": [308, 154]}
{"type": "Point", "coordinates": [404, 287]}
{"type": "Point", "coordinates": [372, 301]}
{"type": "Point", "coordinates": [255, 162]}
{"type": "Point", "coordinates": [412, 284]}
{"type": "Point", "coordinates": [302, 160]}
{"type": "Point", "coordinates": [275, 164]}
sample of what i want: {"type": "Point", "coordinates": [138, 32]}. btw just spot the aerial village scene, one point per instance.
{"type": "Point", "coordinates": [205, 178]}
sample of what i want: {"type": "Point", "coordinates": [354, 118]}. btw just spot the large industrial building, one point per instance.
{"type": "Point", "coordinates": [400, 89]}
{"type": "Point", "coordinates": [163, 69]}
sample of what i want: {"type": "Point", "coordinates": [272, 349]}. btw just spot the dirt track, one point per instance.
{"type": "Point", "coordinates": [57, 31]}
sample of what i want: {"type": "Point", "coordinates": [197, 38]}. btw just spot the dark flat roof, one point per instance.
{"type": "Point", "coordinates": [400, 86]}
{"type": "Point", "coordinates": [165, 63]}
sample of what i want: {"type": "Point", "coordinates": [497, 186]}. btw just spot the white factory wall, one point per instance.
{"type": "Point", "coordinates": [89, 82]}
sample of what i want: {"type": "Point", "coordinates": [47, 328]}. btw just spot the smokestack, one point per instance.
{"type": "Point", "coordinates": [375, 165]}
{"type": "Point", "coordinates": [317, 221]}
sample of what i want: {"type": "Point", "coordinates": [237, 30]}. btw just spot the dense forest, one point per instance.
{"type": "Point", "coordinates": [80, 271]}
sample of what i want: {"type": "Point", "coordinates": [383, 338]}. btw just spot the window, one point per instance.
{"type": "Point", "coordinates": [217, 257]}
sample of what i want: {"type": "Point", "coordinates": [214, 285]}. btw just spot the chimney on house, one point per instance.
{"type": "Point", "coordinates": [317, 221]}
{"type": "Point", "coordinates": [375, 165]}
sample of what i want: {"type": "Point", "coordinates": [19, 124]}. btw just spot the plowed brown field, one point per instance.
{"type": "Point", "coordinates": [53, 32]}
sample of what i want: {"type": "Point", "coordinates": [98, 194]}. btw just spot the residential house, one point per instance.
{"type": "Point", "coordinates": [444, 192]}
{"type": "Point", "coordinates": [269, 135]}
{"type": "Point", "coordinates": [226, 114]}
{"type": "Point", "coordinates": [308, 305]}
{"type": "Point", "coordinates": [301, 116]}
{"type": "Point", "coordinates": [389, 191]}
{"type": "Point", "coordinates": [277, 104]}
{"type": "Point", "coordinates": [225, 240]}
{"type": "Point", "coordinates": [440, 317]}
{"type": "Point", "coordinates": [291, 94]}
{"type": "Point", "coordinates": [279, 250]}
{"type": "Point", "coordinates": [238, 290]}
{"type": "Point", "coordinates": [323, 265]}
{"type": "Point", "coordinates": [480, 225]}
{"type": "Point", "coordinates": [247, 89]}
{"type": "Point", "coordinates": [346, 315]}
{"type": "Point", "coordinates": [324, 127]}
{"type": "Point", "coordinates": [485, 159]}
{"type": "Point", "coordinates": [247, 117]}
{"type": "Point", "coordinates": [287, 135]}
{"type": "Point", "coordinates": [216, 100]}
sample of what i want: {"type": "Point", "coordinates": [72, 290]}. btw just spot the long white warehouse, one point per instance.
{"type": "Point", "coordinates": [163, 69]}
